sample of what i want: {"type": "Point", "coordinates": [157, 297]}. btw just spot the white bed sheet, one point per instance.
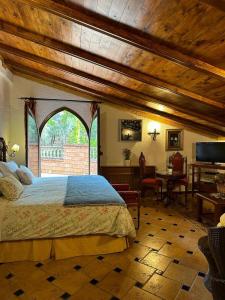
{"type": "Point", "coordinates": [39, 213]}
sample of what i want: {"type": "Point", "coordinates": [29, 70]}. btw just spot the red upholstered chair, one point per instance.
{"type": "Point", "coordinates": [131, 198]}
{"type": "Point", "coordinates": [179, 168]}
{"type": "Point", "coordinates": [148, 181]}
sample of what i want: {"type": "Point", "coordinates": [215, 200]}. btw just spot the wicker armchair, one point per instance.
{"type": "Point", "coordinates": [213, 247]}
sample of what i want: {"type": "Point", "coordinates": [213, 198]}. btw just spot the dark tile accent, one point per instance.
{"type": "Point", "coordinates": [136, 241]}
{"type": "Point", "coordinates": [201, 274]}
{"type": "Point", "coordinates": [159, 272]}
{"type": "Point", "coordinates": [118, 270]}
{"type": "Point", "coordinates": [150, 234]}
{"type": "Point", "coordinates": [154, 250]}
{"type": "Point", "coordinates": [192, 230]}
{"type": "Point", "coordinates": [175, 224]}
{"type": "Point", "coordinates": [148, 223]}
{"type": "Point", "coordinates": [190, 252]}
{"type": "Point", "coordinates": [176, 261]}
{"type": "Point", "coordinates": [159, 219]}
{"type": "Point", "coordinates": [8, 276]}
{"type": "Point", "coordinates": [51, 278]}
{"type": "Point", "coordinates": [169, 243]}
{"type": "Point", "coordinates": [114, 298]}
{"type": "Point", "coordinates": [77, 267]}
{"type": "Point", "coordinates": [19, 292]}
{"type": "Point", "coordinates": [181, 236]}
{"type": "Point", "coordinates": [65, 296]}
{"type": "Point", "coordinates": [38, 265]}
{"type": "Point", "coordinates": [163, 229]}
{"type": "Point", "coordinates": [94, 281]}
{"type": "Point", "coordinates": [185, 287]}
{"type": "Point", "coordinates": [136, 259]}
{"type": "Point", "coordinates": [146, 214]}
{"type": "Point", "coordinates": [100, 257]}
{"type": "Point", "coordinates": [170, 215]}
{"type": "Point", "coordinates": [134, 218]}
{"type": "Point", "coordinates": [139, 285]}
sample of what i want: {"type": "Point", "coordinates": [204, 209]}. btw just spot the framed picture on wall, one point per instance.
{"type": "Point", "coordinates": [130, 130]}
{"type": "Point", "coordinates": [174, 139]}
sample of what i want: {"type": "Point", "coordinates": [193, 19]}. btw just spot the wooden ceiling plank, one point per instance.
{"type": "Point", "coordinates": [126, 34]}
{"type": "Point", "coordinates": [133, 93]}
{"type": "Point", "coordinates": [102, 62]}
{"type": "Point", "coordinates": [108, 98]}
{"type": "Point", "coordinates": [219, 4]}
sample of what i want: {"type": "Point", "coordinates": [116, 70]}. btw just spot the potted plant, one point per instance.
{"type": "Point", "coordinates": [127, 154]}
{"type": "Point", "coordinates": [220, 181]}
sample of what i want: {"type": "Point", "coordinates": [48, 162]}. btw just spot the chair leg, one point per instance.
{"type": "Point", "coordinates": [186, 191]}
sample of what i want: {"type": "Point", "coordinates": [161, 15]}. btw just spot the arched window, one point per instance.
{"type": "Point", "coordinates": [64, 135]}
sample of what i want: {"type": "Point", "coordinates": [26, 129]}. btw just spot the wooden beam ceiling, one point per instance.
{"type": "Point", "coordinates": [126, 34]}
{"type": "Point", "coordinates": [107, 98]}
{"type": "Point", "coordinates": [219, 4]}
{"type": "Point", "coordinates": [103, 62]}
{"type": "Point", "coordinates": [133, 93]}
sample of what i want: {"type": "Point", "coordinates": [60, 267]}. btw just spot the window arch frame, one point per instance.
{"type": "Point", "coordinates": [58, 110]}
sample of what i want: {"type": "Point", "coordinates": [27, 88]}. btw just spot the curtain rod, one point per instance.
{"type": "Point", "coordinates": [52, 99]}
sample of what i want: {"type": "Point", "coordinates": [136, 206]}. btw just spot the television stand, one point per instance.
{"type": "Point", "coordinates": [200, 185]}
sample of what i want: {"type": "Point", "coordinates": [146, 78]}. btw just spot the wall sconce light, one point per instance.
{"type": "Point", "coordinates": [15, 148]}
{"type": "Point", "coordinates": [154, 130]}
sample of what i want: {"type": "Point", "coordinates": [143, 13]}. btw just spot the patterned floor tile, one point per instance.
{"type": "Point", "coordinates": [180, 273]}
{"type": "Point", "coordinates": [138, 294]}
{"type": "Point", "coordinates": [117, 284]}
{"type": "Point", "coordinates": [156, 261]}
{"type": "Point", "coordinates": [162, 287]}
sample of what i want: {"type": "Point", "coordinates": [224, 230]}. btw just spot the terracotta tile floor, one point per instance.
{"type": "Point", "coordinates": [163, 263]}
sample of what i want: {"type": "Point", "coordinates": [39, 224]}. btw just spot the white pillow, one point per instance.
{"type": "Point", "coordinates": [10, 187]}
{"type": "Point", "coordinates": [24, 176]}
{"type": "Point", "coordinates": [9, 168]}
{"type": "Point", "coordinates": [27, 170]}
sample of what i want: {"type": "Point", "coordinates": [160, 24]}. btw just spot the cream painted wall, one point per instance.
{"type": "Point", "coordinates": [154, 151]}
{"type": "Point", "coordinates": [5, 91]}
{"type": "Point", "coordinates": [110, 145]}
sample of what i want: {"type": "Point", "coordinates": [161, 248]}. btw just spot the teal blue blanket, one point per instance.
{"type": "Point", "coordinates": [91, 190]}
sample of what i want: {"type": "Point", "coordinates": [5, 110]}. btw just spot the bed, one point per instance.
{"type": "Point", "coordinates": [40, 225]}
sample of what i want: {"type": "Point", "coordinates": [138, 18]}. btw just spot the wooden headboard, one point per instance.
{"type": "Point", "coordinates": [3, 149]}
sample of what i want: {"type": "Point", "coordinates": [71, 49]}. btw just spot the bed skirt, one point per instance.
{"type": "Point", "coordinates": [60, 248]}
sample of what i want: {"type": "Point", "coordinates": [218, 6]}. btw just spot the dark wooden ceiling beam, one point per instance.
{"type": "Point", "coordinates": [108, 98]}
{"type": "Point", "coordinates": [102, 62]}
{"type": "Point", "coordinates": [126, 34]}
{"type": "Point", "coordinates": [219, 4]}
{"type": "Point", "coordinates": [133, 93]}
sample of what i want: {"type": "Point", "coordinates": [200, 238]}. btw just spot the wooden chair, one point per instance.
{"type": "Point", "coordinates": [131, 198]}
{"type": "Point", "coordinates": [149, 181]}
{"type": "Point", "coordinates": [179, 169]}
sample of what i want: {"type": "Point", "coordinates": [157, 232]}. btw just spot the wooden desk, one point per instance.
{"type": "Point", "coordinates": [123, 174]}
{"type": "Point", "coordinates": [218, 203]}
{"type": "Point", "coordinates": [199, 186]}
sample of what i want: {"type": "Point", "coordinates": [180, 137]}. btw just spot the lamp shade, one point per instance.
{"type": "Point", "coordinates": [15, 148]}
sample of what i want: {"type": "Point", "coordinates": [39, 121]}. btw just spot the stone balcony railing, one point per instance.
{"type": "Point", "coordinates": [52, 152]}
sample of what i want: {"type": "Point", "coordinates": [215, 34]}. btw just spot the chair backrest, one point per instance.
{"type": "Point", "coordinates": [179, 163]}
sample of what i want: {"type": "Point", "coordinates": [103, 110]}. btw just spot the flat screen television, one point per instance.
{"type": "Point", "coordinates": [212, 152]}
